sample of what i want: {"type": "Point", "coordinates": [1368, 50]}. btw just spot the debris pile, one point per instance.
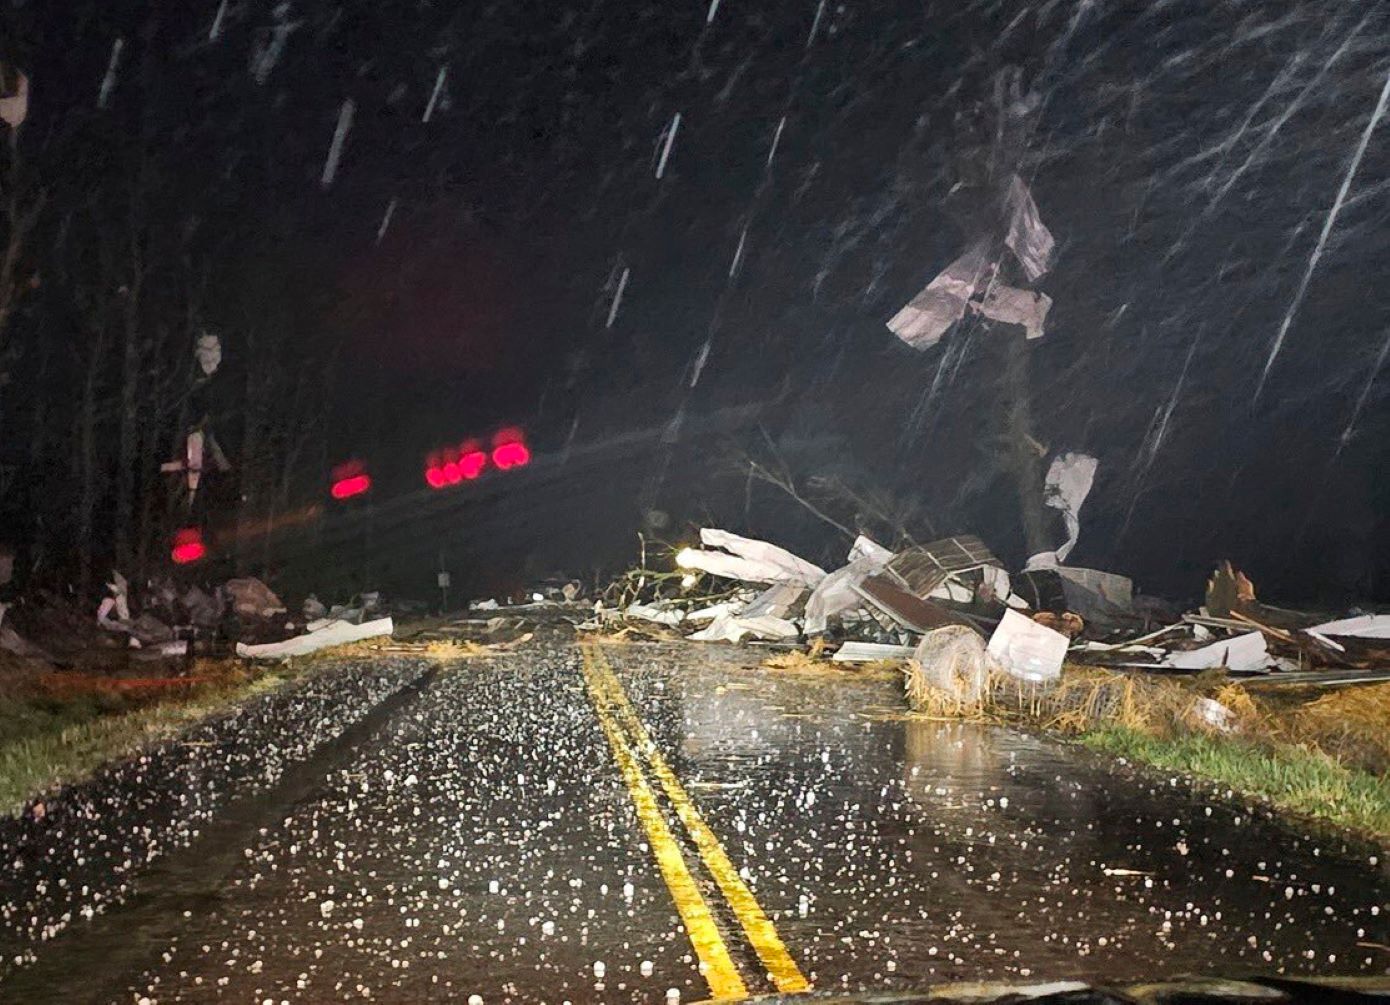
{"type": "Point", "coordinates": [953, 609]}
{"type": "Point", "coordinates": [165, 621]}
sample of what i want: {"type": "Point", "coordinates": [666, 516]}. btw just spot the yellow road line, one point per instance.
{"type": "Point", "coordinates": [762, 934]}
{"type": "Point", "coordinates": [717, 966]}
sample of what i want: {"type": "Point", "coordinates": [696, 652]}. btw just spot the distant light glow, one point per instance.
{"type": "Point", "coordinates": [511, 455]}
{"type": "Point", "coordinates": [188, 546]}
{"type": "Point", "coordinates": [354, 485]}
{"type": "Point", "coordinates": [434, 475]}
{"type": "Point", "coordinates": [472, 464]}
{"type": "Point", "coordinates": [685, 557]}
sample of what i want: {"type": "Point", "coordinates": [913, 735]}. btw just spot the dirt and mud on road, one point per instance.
{"type": "Point", "coordinates": [643, 822]}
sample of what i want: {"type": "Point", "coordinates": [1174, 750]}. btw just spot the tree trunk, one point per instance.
{"type": "Point", "coordinates": [128, 459]}
{"type": "Point", "coordinates": [1024, 458]}
{"type": "Point", "coordinates": [87, 457]}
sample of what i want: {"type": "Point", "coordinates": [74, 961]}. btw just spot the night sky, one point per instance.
{"type": "Point", "coordinates": [1187, 156]}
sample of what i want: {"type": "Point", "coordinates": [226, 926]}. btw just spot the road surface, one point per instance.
{"type": "Point", "coordinates": [650, 823]}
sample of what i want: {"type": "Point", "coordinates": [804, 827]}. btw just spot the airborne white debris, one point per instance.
{"type": "Point", "coordinates": [208, 352]}
{"type": "Point", "coordinates": [14, 107]}
{"type": "Point", "coordinates": [1029, 240]}
{"type": "Point", "coordinates": [1012, 306]}
{"type": "Point", "coordinates": [926, 318]}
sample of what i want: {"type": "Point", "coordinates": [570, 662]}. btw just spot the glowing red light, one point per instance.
{"type": "Point", "coordinates": [188, 546]}
{"type": "Point", "coordinates": [471, 464]}
{"type": "Point", "coordinates": [354, 485]}
{"type": "Point", "coordinates": [434, 475]}
{"type": "Point", "coordinates": [512, 454]}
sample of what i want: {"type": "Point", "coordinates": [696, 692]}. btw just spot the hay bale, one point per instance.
{"type": "Point", "coordinates": [950, 672]}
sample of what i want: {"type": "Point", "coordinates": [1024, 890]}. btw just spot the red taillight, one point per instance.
{"type": "Point", "coordinates": [471, 464]}
{"type": "Point", "coordinates": [188, 546]}
{"type": "Point", "coordinates": [511, 455]}
{"type": "Point", "coordinates": [349, 479]}
{"type": "Point", "coordinates": [346, 488]}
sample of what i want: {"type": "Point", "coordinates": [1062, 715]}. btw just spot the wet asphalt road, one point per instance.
{"type": "Point", "coordinates": [508, 831]}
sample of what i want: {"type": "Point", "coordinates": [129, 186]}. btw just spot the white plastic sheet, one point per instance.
{"type": "Point", "coordinates": [836, 593]}
{"type": "Point", "coordinates": [1027, 649]}
{"type": "Point", "coordinates": [14, 108]}
{"type": "Point", "coordinates": [1365, 626]}
{"type": "Point", "coordinates": [1068, 483]}
{"type": "Point", "coordinates": [336, 634]}
{"type": "Point", "coordinates": [118, 603]}
{"type": "Point", "coordinates": [1240, 654]}
{"type": "Point", "coordinates": [1012, 306]}
{"type": "Point", "coordinates": [207, 350]}
{"type": "Point", "coordinates": [668, 616]}
{"type": "Point", "coordinates": [732, 628]}
{"type": "Point", "coordinates": [748, 559]}
{"type": "Point", "coordinates": [777, 600]}
{"type": "Point", "coordinates": [928, 316]}
{"type": "Point", "coordinates": [870, 652]}
{"type": "Point", "coordinates": [1028, 238]}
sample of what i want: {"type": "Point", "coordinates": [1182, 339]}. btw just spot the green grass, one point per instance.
{"type": "Point", "coordinates": [47, 741]}
{"type": "Point", "coordinates": [1300, 781]}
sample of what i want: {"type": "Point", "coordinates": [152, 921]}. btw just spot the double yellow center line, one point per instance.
{"type": "Point", "coordinates": [632, 747]}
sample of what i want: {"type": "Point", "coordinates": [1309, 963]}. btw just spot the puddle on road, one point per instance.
{"type": "Point", "coordinates": [896, 852]}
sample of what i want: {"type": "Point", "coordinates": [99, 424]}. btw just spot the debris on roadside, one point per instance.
{"type": "Point", "coordinates": [335, 633]}
{"type": "Point", "coordinates": [748, 560]}
{"type": "Point", "coordinates": [883, 603]}
{"type": "Point", "coordinates": [870, 652]}
{"type": "Point", "coordinates": [1028, 649]}
{"type": "Point", "coordinates": [950, 665]}
{"type": "Point", "coordinates": [253, 600]}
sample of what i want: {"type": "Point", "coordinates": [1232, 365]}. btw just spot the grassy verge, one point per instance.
{"type": "Point", "coordinates": [1322, 755]}
{"type": "Point", "coordinates": [1301, 781]}
{"type": "Point", "coordinates": [50, 738]}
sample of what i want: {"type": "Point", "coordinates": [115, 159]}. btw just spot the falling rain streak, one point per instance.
{"type": "Point", "coordinates": [668, 138]}
{"type": "Point", "coordinates": [335, 151]}
{"type": "Point", "coordinates": [617, 298]}
{"type": "Point", "coordinates": [434, 95]}
{"type": "Point", "coordinates": [1327, 226]}
{"type": "Point", "coordinates": [108, 82]}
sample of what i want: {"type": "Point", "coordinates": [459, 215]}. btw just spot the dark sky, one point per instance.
{"type": "Point", "coordinates": [1186, 155]}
